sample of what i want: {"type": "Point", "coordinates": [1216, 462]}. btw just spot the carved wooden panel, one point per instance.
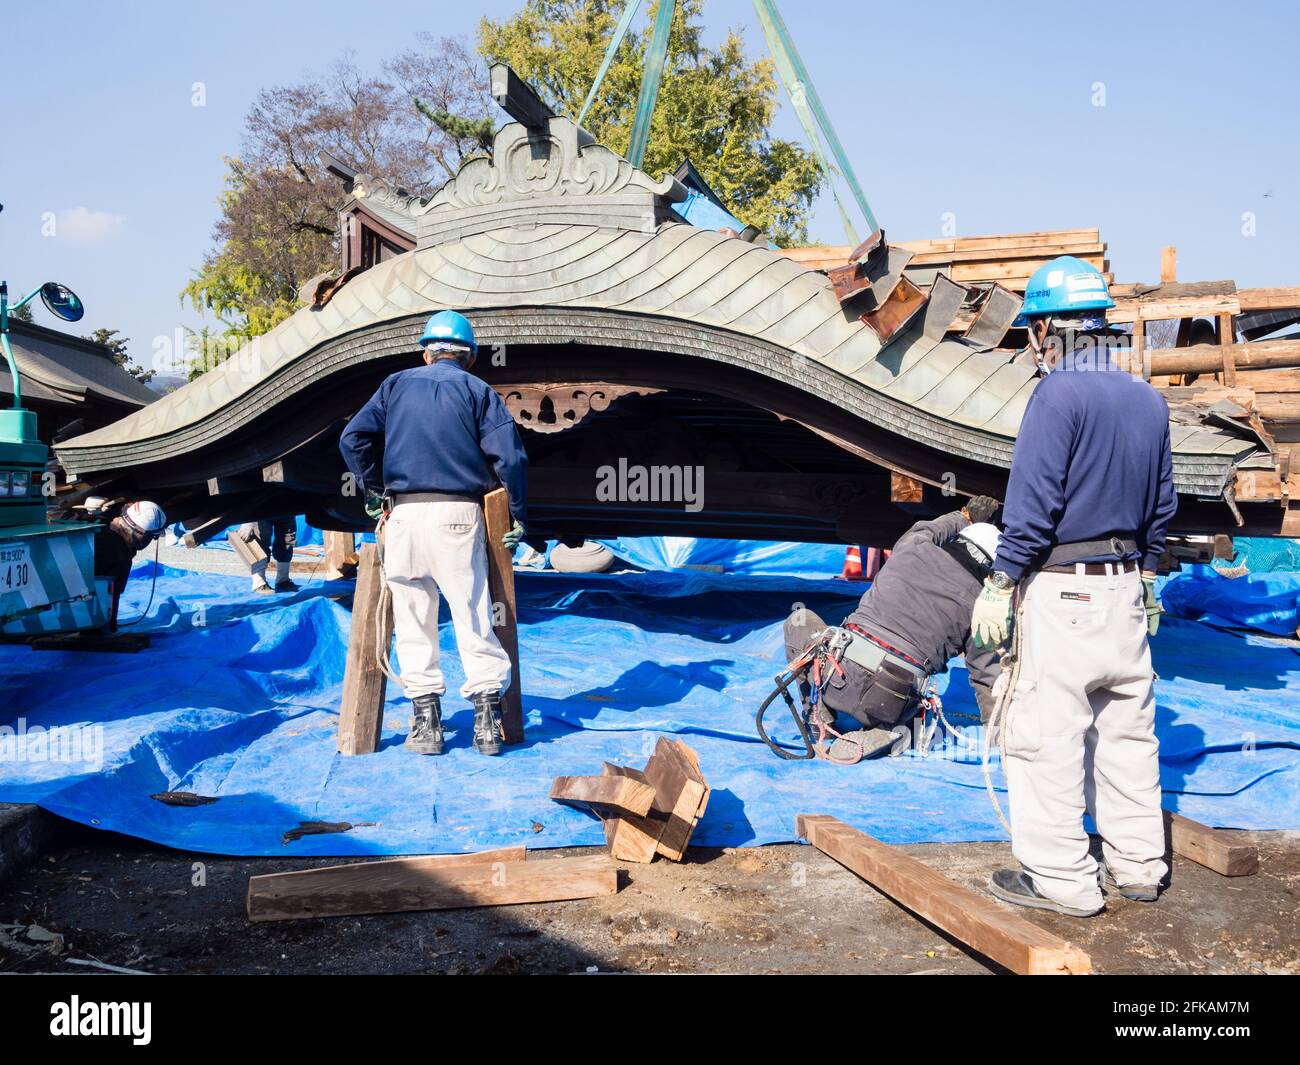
{"type": "Point", "coordinates": [552, 408]}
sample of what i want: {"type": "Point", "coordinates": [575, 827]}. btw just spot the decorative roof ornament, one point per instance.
{"type": "Point", "coordinates": [545, 169]}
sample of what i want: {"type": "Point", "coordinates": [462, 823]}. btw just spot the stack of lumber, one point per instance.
{"type": "Point", "coordinates": [1009, 259]}
{"type": "Point", "coordinates": [645, 811]}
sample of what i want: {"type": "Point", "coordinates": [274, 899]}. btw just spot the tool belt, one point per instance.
{"type": "Point", "coordinates": [437, 497]}
{"type": "Point", "coordinates": [1062, 557]}
{"type": "Point", "coordinates": [849, 672]}
{"type": "Point", "coordinates": [878, 683]}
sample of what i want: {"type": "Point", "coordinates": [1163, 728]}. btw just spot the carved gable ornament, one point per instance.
{"type": "Point", "coordinates": [554, 173]}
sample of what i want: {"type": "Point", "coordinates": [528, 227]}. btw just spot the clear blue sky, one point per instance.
{"type": "Point", "coordinates": [985, 110]}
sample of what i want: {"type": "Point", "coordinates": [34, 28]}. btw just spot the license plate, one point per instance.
{"type": "Point", "coordinates": [16, 571]}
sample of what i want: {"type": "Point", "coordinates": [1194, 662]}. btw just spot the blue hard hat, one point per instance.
{"type": "Point", "coordinates": [1066, 285]}
{"type": "Point", "coordinates": [450, 328]}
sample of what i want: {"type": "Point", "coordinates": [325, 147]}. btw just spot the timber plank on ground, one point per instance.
{"type": "Point", "coordinates": [979, 922]}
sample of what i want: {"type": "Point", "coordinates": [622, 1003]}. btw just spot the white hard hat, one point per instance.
{"type": "Point", "coordinates": [145, 517]}
{"type": "Point", "coordinates": [984, 537]}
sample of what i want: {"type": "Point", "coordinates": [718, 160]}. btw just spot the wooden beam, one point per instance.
{"type": "Point", "coordinates": [361, 715]}
{"type": "Point", "coordinates": [447, 882]}
{"type": "Point", "coordinates": [631, 838]}
{"type": "Point", "coordinates": [979, 922]}
{"type": "Point", "coordinates": [1269, 299]}
{"type": "Point", "coordinates": [234, 485]}
{"type": "Point", "coordinates": [340, 555]}
{"type": "Point", "coordinates": [622, 793]}
{"type": "Point", "coordinates": [501, 585]}
{"type": "Point", "coordinates": [517, 98]}
{"type": "Point", "coordinates": [681, 794]}
{"type": "Point", "coordinates": [1208, 847]}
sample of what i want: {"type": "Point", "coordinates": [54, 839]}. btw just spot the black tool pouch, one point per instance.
{"type": "Point", "coordinates": [890, 697]}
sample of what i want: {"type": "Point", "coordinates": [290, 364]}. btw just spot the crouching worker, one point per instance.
{"type": "Point", "coordinates": [127, 533]}
{"type": "Point", "coordinates": [911, 621]}
{"type": "Point", "coordinates": [429, 444]}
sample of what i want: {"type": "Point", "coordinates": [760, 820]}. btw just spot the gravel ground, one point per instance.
{"type": "Point", "coordinates": [788, 909]}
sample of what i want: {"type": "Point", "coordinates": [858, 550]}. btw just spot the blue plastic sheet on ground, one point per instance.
{"type": "Point", "coordinates": [1268, 601]}
{"type": "Point", "coordinates": [237, 698]}
{"type": "Point", "coordinates": [731, 556]}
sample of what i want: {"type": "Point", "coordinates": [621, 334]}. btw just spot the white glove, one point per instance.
{"type": "Point", "coordinates": [990, 621]}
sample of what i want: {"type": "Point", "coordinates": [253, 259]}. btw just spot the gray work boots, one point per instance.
{"type": "Point", "coordinates": [488, 736]}
{"type": "Point", "coordinates": [426, 725]}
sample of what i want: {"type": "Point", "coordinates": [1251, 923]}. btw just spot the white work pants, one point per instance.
{"type": "Point", "coordinates": [433, 546]}
{"type": "Point", "coordinates": [1081, 735]}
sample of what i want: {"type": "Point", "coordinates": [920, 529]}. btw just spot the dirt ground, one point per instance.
{"type": "Point", "coordinates": [780, 909]}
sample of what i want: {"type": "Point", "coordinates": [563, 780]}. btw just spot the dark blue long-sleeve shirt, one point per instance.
{"type": "Point", "coordinates": [437, 428]}
{"type": "Point", "coordinates": [1092, 461]}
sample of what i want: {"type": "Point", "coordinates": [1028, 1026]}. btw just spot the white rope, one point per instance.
{"type": "Point", "coordinates": [381, 646]}
{"type": "Point", "coordinates": [1000, 716]}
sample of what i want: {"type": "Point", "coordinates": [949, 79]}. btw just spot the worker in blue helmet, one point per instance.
{"type": "Point", "coordinates": [426, 447]}
{"type": "Point", "coordinates": [1088, 503]}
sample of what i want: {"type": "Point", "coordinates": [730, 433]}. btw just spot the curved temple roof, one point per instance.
{"type": "Point", "coordinates": [557, 225]}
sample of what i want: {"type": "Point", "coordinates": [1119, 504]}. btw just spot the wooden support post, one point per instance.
{"type": "Point", "coordinates": [340, 555]}
{"type": "Point", "coordinates": [361, 716]}
{"type": "Point", "coordinates": [1138, 361]}
{"type": "Point", "coordinates": [1168, 265]}
{"type": "Point", "coordinates": [501, 584]}
{"type": "Point", "coordinates": [979, 922]}
{"type": "Point", "coordinates": [1227, 341]}
{"type": "Point", "coordinates": [1205, 846]}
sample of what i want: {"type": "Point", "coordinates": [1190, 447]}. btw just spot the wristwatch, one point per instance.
{"type": "Point", "coordinates": [1001, 581]}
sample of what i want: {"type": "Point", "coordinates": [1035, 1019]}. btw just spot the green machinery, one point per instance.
{"type": "Point", "coordinates": [47, 568]}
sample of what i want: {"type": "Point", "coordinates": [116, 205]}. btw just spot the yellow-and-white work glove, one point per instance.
{"type": "Point", "coordinates": [1151, 604]}
{"type": "Point", "coordinates": [990, 621]}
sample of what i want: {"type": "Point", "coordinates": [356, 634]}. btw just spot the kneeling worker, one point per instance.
{"type": "Point", "coordinates": [432, 441]}
{"type": "Point", "coordinates": [127, 533]}
{"type": "Point", "coordinates": [911, 621]}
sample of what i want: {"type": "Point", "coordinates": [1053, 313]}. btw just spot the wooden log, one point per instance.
{"type": "Point", "coordinates": [681, 794]}
{"type": "Point", "coordinates": [1208, 358]}
{"type": "Point", "coordinates": [631, 838]}
{"type": "Point", "coordinates": [361, 715]}
{"type": "Point", "coordinates": [1207, 847]}
{"type": "Point", "coordinates": [445, 882]}
{"type": "Point", "coordinates": [609, 791]}
{"type": "Point", "coordinates": [979, 922]}
{"type": "Point", "coordinates": [501, 584]}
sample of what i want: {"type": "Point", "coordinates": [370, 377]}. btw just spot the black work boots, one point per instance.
{"type": "Point", "coordinates": [488, 736]}
{"type": "Point", "coordinates": [426, 725]}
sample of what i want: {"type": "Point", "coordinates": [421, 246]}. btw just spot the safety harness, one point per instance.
{"type": "Point", "coordinates": [821, 658]}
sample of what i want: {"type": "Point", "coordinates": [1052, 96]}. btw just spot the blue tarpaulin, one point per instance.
{"type": "Point", "coordinates": [238, 698]}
